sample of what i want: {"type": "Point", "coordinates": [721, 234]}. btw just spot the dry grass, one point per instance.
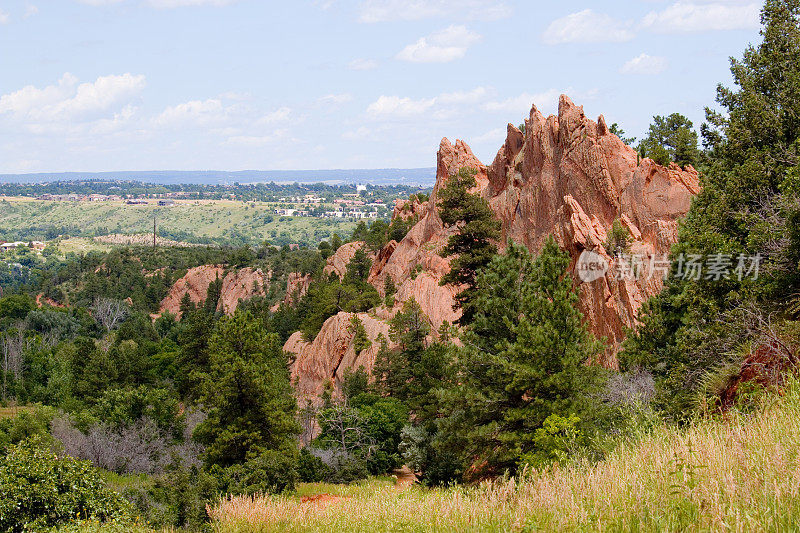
{"type": "Point", "coordinates": [740, 474]}
{"type": "Point", "coordinates": [13, 410]}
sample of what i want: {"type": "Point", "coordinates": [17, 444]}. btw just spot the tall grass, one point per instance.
{"type": "Point", "coordinates": [741, 473]}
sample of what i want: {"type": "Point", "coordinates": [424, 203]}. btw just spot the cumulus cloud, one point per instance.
{"type": "Point", "coordinates": [522, 104]}
{"type": "Point", "coordinates": [440, 107]}
{"type": "Point", "coordinates": [69, 100]}
{"type": "Point", "coordinates": [588, 26]}
{"type": "Point", "coordinates": [372, 11]}
{"type": "Point", "coordinates": [645, 64]}
{"type": "Point", "coordinates": [690, 17]}
{"type": "Point", "coordinates": [443, 46]}
{"type": "Point", "coordinates": [399, 106]}
{"type": "Point", "coordinates": [363, 64]}
{"type": "Point", "coordinates": [197, 112]}
{"type": "Point", "coordinates": [335, 99]}
{"type": "Point", "coordinates": [4, 18]}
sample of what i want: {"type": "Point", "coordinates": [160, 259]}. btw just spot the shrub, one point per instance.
{"type": "Point", "coordinates": [311, 469]}
{"type": "Point", "coordinates": [270, 472]}
{"type": "Point", "coordinates": [38, 489]}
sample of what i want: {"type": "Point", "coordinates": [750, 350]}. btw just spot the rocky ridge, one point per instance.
{"type": "Point", "coordinates": [566, 176]}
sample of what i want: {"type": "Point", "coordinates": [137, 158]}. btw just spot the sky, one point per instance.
{"type": "Point", "coordinates": [111, 85]}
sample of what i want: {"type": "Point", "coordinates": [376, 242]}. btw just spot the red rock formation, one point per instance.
{"type": "Point", "coordinates": [241, 285]}
{"type": "Point", "coordinates": [195, 283]}
{"type": "Point", "coordinates": [237, 285]}
{"type": "Point", "coordinates": [322, 363]}
{"type": "Point", "coordinates": [406, 209]}
{"type": "Point", "coordinates": [566, 176]}
{"type": "Point", "coordinates": [296, 287]}
{"type": "Point", "coordinates": [337, 263]}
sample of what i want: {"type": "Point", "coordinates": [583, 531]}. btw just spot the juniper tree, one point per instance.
{"type": "Point", "coordinates": [472, 246]}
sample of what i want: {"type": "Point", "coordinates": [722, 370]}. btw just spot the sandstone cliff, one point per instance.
{"type": "Point", "coordinates": [566, 176]}
{"type": "Point", "coordinates": [237, 285]}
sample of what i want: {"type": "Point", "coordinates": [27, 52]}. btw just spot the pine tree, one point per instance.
{"type": "Point", "coordinates": [247, 392]}
{"type": "Point", "coordinates": [524, 359]}
{"type": "Point", "coordinates": [472, 247]}
{"type": "Point", "coordinates": [671, 138]}
{"type": "Point", "coordinates": [187, 305]}
{"type": "Point", "coordinates": [748, 205]}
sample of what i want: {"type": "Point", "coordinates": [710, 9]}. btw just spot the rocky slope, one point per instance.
{"type": "Point", "coordinates": [566, 176]}
{"type": "Point", "coordinates": [237, 285]}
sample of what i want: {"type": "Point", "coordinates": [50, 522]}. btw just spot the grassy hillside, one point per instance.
{"type": "Point", "coordinates": [219, 221]}
{"type": "Point", "coordinates": [737, 474]}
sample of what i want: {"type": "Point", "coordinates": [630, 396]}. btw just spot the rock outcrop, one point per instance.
{"type": "Point", "coordinates": [565, 176]}
{"type": "Point", "coordinates": [337, 263]}
{"type": "Point", "coordinates": [322, 362]}
{"type": "Point", "coordinates": [237, 285]}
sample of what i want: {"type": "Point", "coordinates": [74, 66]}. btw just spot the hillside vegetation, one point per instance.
{"type": "Point", "coordinates": [220, 221]}
{"type": "Point", "coordinates": [740, 473]}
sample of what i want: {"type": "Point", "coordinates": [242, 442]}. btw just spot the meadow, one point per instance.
{"type": "Point", "coordinates": [217, 221]}
{"type": "Point", "coordinates": [740, 473]}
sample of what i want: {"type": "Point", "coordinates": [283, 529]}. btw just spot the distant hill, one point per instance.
{"type": "Point", "coordinates": [383, 176]}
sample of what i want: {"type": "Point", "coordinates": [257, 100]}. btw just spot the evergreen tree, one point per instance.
{"type": "Point", "coordinates": [212, 295]}
{"type": "Point", "coordinates": [473, 244]}
{"type": "Point", "coordinates": [247, 392]}
{"type": "Point", "coordinates": [748, 206]}
{"type": "Point", "coordinates": [671, 138]}
{"type": "Point", "coordinates": [524, 359]}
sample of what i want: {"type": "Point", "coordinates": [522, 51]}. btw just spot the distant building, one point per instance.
{"type": "Point", "coordinates": [166, 203]}
{"type": "Point", "coordinates": [136, 202]}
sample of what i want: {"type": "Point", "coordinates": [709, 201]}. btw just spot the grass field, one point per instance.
{"type": "Point", "coordinates": [738, 474]}
{"type": "Point", "coordinates": [220, 221]}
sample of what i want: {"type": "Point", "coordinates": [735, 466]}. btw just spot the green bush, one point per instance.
{"type": "Point", "coordinates": [270, 472]}
{"type": "Point", "coordinates": [312, 469]}
{"type": "Point", "coordinates": [38, 489]}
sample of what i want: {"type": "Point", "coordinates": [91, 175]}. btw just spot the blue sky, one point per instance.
{"type": "Point", "coordinates": [107, 85]}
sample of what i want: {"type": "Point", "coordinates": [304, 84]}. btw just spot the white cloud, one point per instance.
{"type": "Point", "coordinates": [442, 107]}
{"type": "Point", "coordinates": [391, 10]}
{"type": "Point", "coordinates": [168, 4]}
{"type": "Point", "coordinates": [440, 47]}
{"type": "Point", "coordinates": [198, 112]}
{"type": "Point", "coordinates": [399, 107]}
{"type": "Point", "coordinates": [645, 64]}
{"type": "Point", "coordinates": [164, 4]}
{"type": "Point", "coordinates": [463, 97]}
{"type": "Point", "coordinates": [99, 2]}
{"type": "Point", "coordinates": [4, 18]}
{"type": "Point", "coordinates": [336, 99]}
{"type": "Point", "coordinates": [255, 141]}
{"type": "Point", "coordinates": [69, 100]}
{"type": "Point", "coordinates": [588, 26]}
{"type": "Point", "coordinates": [279, 115]}
{"type": "Point", "coordinates": [522, 104]}
{"type": "Point", "coordinates": [363, 64]}
{"type": "Point", "coordinates": [495, 136]}
{"type": "Point", "coordinates": [689, 17]}
{"type": "Point", "coordinates": [31, 10]}
{"type": "Point", "coordinates": [360, 133]}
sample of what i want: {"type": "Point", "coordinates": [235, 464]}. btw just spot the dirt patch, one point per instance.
{"type": "Point", "coordinates": [320, 500]}
{"type": "Point", "coordinates": [405, 477]}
